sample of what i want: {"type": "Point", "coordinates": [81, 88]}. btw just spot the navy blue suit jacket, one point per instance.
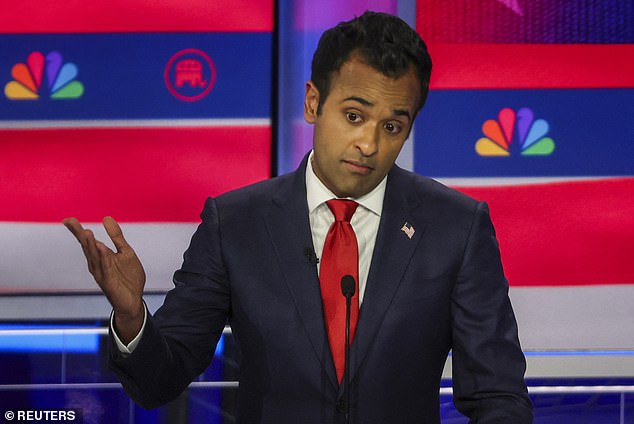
{"type": "Point", "coordinates": [442, 289]}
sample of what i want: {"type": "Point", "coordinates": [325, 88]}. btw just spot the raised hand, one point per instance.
{"type": "Point", "coordinates": [119, 274]}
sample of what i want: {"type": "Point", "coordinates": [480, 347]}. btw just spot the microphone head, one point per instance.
{"type": "Point", "coordinates": [348, 286]}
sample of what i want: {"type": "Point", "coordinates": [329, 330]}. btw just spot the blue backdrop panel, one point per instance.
{"type": "Point", "coordinates": [592, 130]}
{"type": "Point", "coordinates": [123, 76]}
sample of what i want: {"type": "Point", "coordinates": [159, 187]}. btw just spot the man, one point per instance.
{"type": "Point", "coordinates": [428, 269]}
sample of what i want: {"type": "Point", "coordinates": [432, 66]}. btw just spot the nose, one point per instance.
{"type": "Point", "coordinates": [368, 141]}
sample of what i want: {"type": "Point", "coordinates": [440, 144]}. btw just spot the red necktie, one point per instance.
{"type": "Point", "coordinates": [340, 257]}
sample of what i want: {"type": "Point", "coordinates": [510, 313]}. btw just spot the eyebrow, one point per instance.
{"type": "Point", "coordinates": [365, 102]}
{"type": "Point", "coordinates": [361, 100]}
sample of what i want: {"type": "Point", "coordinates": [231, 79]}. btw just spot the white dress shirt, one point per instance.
{"type": "Point", "coordinates": [365, 223]}
{"type": "Point", "coordinates": [365, 220]}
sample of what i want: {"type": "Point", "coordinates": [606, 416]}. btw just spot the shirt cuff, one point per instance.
{"type": "Point", "coordinates": [129, 348]}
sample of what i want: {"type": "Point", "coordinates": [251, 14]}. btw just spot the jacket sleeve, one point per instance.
{"type": "Point", "coordinates": [179, 341]}
{"type": "Point", "coordinates": [488, 363]}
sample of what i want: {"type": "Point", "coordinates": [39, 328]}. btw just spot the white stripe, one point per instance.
{"type": "Point", "coordinates": [580, 389]}
{"type": "Point", "coordinates": [235, 384]}
{"type": "Point", "coordinates": [135, 123]}
{"type": "Point", "coordinates": [99, 331]}
{"type": "Point", "coordinates": [47, 258]}
{"type": "Point", "coordinates": [102, 386]}
{"type": "Point", "coordinates": [575, 317]}
{"type": "Point", "coordinates": [54, 332]}
{"type": "Point", "coordinates": [564, 389]}
{"type": "Point", "coordinates": [580, 366]}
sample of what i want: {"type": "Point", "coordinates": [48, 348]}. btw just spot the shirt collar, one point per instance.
{"type": "Point", "coordinates": [317, 193]}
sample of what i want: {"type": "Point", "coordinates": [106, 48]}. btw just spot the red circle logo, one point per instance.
{"type": "Point", "coordinates": [190, 75]}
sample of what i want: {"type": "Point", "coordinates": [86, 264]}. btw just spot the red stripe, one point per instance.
{"type": "Point", "coordinates": [73, 16]}
{"type": "Point", "coordinates": [136, 175]}
{"type": "Point", "coordinates": [573, 233]}
{"type": "Point", "coordinates": [508, 66]}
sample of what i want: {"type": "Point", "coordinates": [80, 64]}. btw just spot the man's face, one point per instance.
{"type": "Point", "coordinates": [362, 126]}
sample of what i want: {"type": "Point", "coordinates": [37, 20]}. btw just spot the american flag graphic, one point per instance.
{"type": "Point", "coordinates": [408, 230]}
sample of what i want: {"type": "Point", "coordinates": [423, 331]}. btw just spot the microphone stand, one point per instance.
{"type": "Point", "coordinates": [347, 289]}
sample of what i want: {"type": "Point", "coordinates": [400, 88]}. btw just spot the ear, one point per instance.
{"type": "Point", "coordinates": [311, 102]}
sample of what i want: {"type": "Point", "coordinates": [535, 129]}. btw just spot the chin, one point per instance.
{"type": "Point", "coordinates": [354, 193]}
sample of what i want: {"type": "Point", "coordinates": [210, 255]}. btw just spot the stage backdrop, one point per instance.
{"type": "Point", "coordinates": [140, 110]}
{"type": "Point", "coordinates": [130, 108]}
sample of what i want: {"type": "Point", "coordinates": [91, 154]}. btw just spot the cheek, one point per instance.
{"type": "Point", "coordinates": [327, 135]}
{"type": "Point", "coordinates": [390, 153]}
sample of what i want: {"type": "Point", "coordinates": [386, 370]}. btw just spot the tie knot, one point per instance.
{"type": "Point", "coordinates": [342, 209]}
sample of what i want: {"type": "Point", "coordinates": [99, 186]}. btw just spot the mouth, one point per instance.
{"type": "Point", "coordinates": [358, 167]}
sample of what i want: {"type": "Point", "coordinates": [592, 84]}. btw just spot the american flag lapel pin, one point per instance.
{"type": "Point", "coordinates": [408, 230]}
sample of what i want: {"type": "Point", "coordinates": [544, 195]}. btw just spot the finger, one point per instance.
{"type": "Point", "coordinates": [75, 227]}
{"type": "Point", "coordinates": [84, 237]}
{"type": "Point", "coordinates": [114, 232]}
{"type": "Point", "coordinates": [92, 255]}
{"type": "Point", "coordinates": [105, 263]}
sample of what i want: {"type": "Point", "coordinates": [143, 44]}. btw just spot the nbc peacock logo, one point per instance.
{"type": "Point", "coordinates": [531, 134]}
{"type": "Point", "coordinates": [44, 75]}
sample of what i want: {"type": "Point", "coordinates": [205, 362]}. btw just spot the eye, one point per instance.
{"type": "Point", "coordinates": [353, 117]}
{"type": "Point", "coordinates": [392, 127]}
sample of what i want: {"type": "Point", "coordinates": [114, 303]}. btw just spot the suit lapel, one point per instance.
{"type": "Point", "coordinates": [289, 228]}
{"type": "Point", "coordinates": [392, 253]}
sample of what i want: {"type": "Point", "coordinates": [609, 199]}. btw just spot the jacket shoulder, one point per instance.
{"type": "Point", "coordinates": [253, 194]}
{"type": "Point", "coordinates": [431, 193]}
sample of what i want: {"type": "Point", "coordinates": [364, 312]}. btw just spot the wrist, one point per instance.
{"type": "Point", "coordinates": [128, 326]}
{"type": "Point", "coordinates": [130, 315]}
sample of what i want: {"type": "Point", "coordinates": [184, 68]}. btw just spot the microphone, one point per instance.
{"type": "Point", "coordinates": [348, 287]}
{"type": "Point", "coordinates": [310, 256]}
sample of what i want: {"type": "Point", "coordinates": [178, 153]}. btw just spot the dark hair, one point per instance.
{"type": "Point", "coordinates": [385, 42]}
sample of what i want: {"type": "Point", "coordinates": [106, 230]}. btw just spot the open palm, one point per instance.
{"type": "Point", "coordinates": [119, 274]}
